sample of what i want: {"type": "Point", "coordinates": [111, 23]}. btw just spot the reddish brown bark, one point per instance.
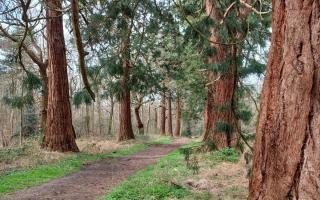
{"type": "Point", "coordinates": [177, 131]}
{"type": "Point", "coordinates": [287, 149]}
{"type": "Point", "coordinates": [137, 113]}
{"type": "Point", "coordinates": [59, 135]}
{"type": "Point", "coordinates": [170, 131]}
{"type": "Point", "coordinates": [221, 88]}
{"type": "Point", "coordinates": [163, 114]}
{"type": "Point", "coordinates": [125, 130]}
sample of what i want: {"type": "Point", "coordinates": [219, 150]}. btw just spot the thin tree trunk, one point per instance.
{"type": "Point", "coordinates": [155, 119]}
{"type": "Point", "coordinates": [170, 132]}
{"type": "Point", "coordinates": [59, 135]}
{"type": "Point", "coordinates": [21, 126]}
{"type": "Point", "coordinates": [79, 44]}
{"type": "Point", "coordinates": [178, 117]}
{"type": "Point", "coordinates": [149, 116]}
{"type": "Point", "coordinates": [287, 150]}
{"type": "Point", "coordinates": [99, 113]}
{"type": "Point", "coordinates": [111, 115]}
{"type": "Point", "coordinates": [93, 130]}
{"type": "Point", "coordinates": [87, 121]}
{"type": "Point", "coordinates": [163, 114]}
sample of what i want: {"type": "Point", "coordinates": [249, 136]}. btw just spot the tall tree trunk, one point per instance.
{"type": "Point", "coordinates": [155, 119]}
{"type": "Point", "coordinates": [149, 118]}
{"type": "Point", "coordinates": [139, 121]}
{"type": "Point", "coordinates": [178, 117]}
{"type": "Point", "coordinates": [220, 120]}
{"type": "Point", "coordinates": [163, 114]}
{"type": "Point", "coordinates": [287, 150]}
{"type": "Point", "coordinates": [93, 130]}
{"type": "Point", "coordinates": [125, 130]}
{"type": "Point", "coordinates": [170, 132]}
{"type": "Point", "coordinates": [111, 115]}
{"type": "Point", "coordinates": [59, 135]}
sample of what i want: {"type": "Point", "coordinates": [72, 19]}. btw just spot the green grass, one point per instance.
{"type": "Point", "coordinates": [152, 182]}
{"type": "Point", "coordinates": [224, 155]}
{"type": "Point", "coordinates": [162, 140]}
{"type": "Point", "coordinates": [19, 179]}
{"type": "Point", "coordinates": [161, 181]}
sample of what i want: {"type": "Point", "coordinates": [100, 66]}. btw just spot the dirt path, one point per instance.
{"type": "Point", "coordinates": [95, 180]}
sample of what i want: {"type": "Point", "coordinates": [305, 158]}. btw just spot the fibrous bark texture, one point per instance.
{"type": "Point", "coordinates": [125, 130]}
{"type": "Point", "coordinates": [59, 135]}
{"type": "Point", "coordinates": [220, 120]}
{"type": "Point", "coordinates": [287, 149]}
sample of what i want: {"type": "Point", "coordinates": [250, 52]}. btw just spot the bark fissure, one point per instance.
{"type": "Point", "coordinates": [286, 161]}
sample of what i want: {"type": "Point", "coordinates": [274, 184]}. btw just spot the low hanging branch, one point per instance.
{"type": "Point", "coordinates": [77, 35]}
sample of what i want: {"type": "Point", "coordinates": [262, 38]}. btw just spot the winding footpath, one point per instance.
{"type": "Point", "coordinates": [95, 180]}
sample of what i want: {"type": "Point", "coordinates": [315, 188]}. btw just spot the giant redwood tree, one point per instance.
{"type": "Point", "coordinates": [287, 150]}
{"type": "Point", "coordinates": [125, 130]}
{"type": "Point", "coordinates": [220, 119]}
{"type": "Point", "coordinates": [59, 134]}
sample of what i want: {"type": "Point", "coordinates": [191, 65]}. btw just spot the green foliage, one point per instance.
{"type": "Point", "coordinates": [224, 107]}
{"type": "Point", "coordinates": [81, 97]}
{"type": "Point", "coordinates": [18, 101]}
{"type": "Point", "coordinates": [223, 127]}
{"type": "Point", "coordinates": [31, 82]}
{"type": "Point", "coordinates": [224, 155]}
{"type": "Point", "coordinates": [30, 121]}
{"type": "Point", "coordinates": [244, 115]}
{"type": "Point", "coordinates": [187, 133]}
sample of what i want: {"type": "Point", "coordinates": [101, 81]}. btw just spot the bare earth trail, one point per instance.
{"type": "Point", "coordinates": [95, 180]}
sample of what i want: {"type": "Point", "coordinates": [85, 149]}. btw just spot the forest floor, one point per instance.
{"type": "Point", "coordinates": [160, 168]}
{"type": "Point", "coordinates": [97, 178]}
